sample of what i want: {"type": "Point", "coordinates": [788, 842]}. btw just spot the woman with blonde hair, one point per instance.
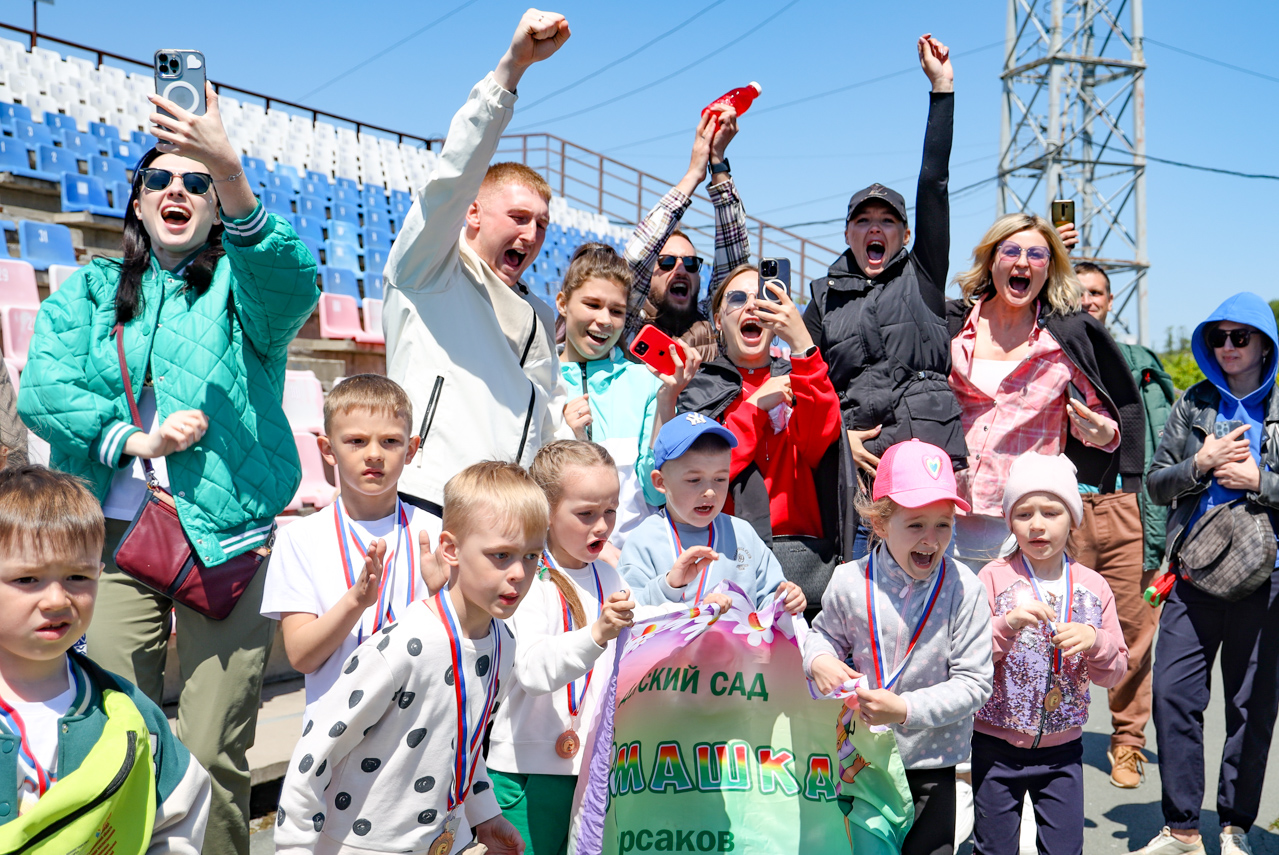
{"type": "Point", "coordinates": [1032, 372]}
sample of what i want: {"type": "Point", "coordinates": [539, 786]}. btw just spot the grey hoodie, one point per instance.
{"type": "Point", "coordinates": [950, 673]}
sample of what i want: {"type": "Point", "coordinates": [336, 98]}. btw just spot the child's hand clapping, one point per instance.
{"type": "Point", "coordinates": [792, 597]}
{"type": "Point", "coordinates": [1028, 613]}
{"type": "Point", "coordinates": [365, 589]}
{"type": "Point", "coordinates": [435, 573]}
{"type": "Point", "coordinates": [617, 612]}
{"type": "Point", "coordinates": [830, 673]}
{"type": "Point", "coordinates": [880, 706]}
{"type": "Point", "coordinates": [689, 565]}
{"type": "Point", "coordinates": [1074, 638]}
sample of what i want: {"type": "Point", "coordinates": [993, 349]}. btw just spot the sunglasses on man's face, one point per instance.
{"type": "Point", "coordinates": [1239, 338]}
{"type": "Point", "coordinates": [667, 262]}
{"type": "Point", "coordinates": [195, 183]}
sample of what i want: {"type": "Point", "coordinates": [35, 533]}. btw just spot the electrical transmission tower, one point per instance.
{"type": "Point", "coordinates": [1073, 127]}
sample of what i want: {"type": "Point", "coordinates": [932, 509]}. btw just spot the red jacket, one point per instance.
{"type": "Point", "coordinates": [787, 459]}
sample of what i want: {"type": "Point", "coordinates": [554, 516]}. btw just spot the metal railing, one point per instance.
{"type": "Point", "coordinates": [596, 182]}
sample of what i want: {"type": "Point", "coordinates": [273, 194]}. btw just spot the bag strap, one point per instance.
{"type": "Point", "coordinates": [118, 332]}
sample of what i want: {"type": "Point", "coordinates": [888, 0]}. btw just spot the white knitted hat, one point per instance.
{"type": "Point", "coordinates": [1044, 473]}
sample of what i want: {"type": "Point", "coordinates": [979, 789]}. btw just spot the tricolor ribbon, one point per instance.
{"type": "Point", "coordinates": [12, 721]}
{"type": "Point", "coordinates": [678, 548]}
{"type": "Point", "coordinates": [876, 646]}
{"type": "Point", "coordinates": [385, 608]}
{"type": "Point", "coordinates": [575, 698]}
{"type": "Point", "coordinates": [1063, 609]}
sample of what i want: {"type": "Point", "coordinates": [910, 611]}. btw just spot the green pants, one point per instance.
{"type": "Point", "coordinates": [540, 806]}
{"type": "Point", "coordinates": [222, 664]}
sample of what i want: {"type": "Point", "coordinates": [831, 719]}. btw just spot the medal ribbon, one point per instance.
{"type": "Point", "coordinates": [575, 698]}
{"type": "Point", "coordinates": [12, 721]}
{"type": "Point", "coordinates": [678, 547]}
{"type": "Point", "coordinates": [876, 646]}
{"type": "Point", "coordinates": [1064, 606]}
{"type": "Point", "coordinates": [385, 608]}
{"type": "Point", "coordinates": [469, 741]}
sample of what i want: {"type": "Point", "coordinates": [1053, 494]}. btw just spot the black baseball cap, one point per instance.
{"type": "Point", "coordinates": [877, 193]}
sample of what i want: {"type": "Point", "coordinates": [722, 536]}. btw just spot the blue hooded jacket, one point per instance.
{"type": "Point", "coordinates": [1245, 308]}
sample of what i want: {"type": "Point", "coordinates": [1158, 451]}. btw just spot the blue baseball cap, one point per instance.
{"type": "Point", "coordinates": [682, 431]}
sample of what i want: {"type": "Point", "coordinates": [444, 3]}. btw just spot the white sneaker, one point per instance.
{"type": "Point", "coordinates": [964, 816]}
{"type": "Point", "coordinates": [1166, 844]}
{"type": "Point", "coordinates": [1234, 841]}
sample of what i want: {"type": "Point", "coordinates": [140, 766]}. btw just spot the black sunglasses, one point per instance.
{"type": "Point", "coordinates": [196, 183]}
{"type": "Point", "coordinates": [691, 262]}
{"type": "Point", "coordinates": [1239, 338]}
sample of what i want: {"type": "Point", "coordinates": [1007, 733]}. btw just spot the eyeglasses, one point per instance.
{"type": "Point", "coordinates": [1036, 255]}
{"type": "Point", "coordinates": [1239, 338]}
{"type": "Point", "coordinates": [155, 180]}
{"type": "Point", "coordinates": [734, 301]}
{"type": "Point", "coordinates": [667, 262]}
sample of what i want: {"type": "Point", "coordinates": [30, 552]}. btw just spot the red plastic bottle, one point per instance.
{"type": "Point", "coordinates": [740, 98]}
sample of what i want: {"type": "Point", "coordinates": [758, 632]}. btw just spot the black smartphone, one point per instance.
{"type": "Point", "coordinates": [1063, 212]}
{"type": "Point", "coordinates": [775, 271]}
{"type": "Point", "coordinates": [180, 77]}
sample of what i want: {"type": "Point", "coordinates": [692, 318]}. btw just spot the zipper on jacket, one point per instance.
{"type": "Point", "coordinates": [130, 758]}
{"type": "Point", "coordinates": [528, 419]}
{"type": "Point", "coordinates": [532, 334]}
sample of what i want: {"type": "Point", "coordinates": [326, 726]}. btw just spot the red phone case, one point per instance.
{"type": "Point", "coordinates": [653, 347]}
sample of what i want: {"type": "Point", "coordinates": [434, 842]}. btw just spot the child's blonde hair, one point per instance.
{"type": "Point", "coordinates": [48, 513]}
{"type": "Point", "coordinates": [492, 493]}
{"type": "Point", "coordinates": [548, 470]}
{"type": "Point", "coordinates": [381, 395]}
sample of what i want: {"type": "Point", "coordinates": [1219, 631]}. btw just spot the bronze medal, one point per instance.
{"type": "Point", "coordinates": [1052, 699]}
{"type": "Point", "coordinates": [568, 745]}
{"type": "Point", "coordinates": [442, 845]}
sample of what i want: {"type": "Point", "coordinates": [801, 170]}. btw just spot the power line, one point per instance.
{"type": "Point", "coordinates": [1260, 175]}
{"type": "Point", "coordinates": [384, 52]}
{"type": "Point", "coordinates": [597, 72]}
{"type": "Point", "coordinates": [1200, 56]}
{"type": "Point", "coordinates": [807, 98]}
{"type": "Point", "coordinates": [661, 80]}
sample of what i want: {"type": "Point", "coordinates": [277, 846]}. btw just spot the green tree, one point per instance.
{"type": "Point", "coordinates": [1179, 362]}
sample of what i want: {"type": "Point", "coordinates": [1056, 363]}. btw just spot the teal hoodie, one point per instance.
{"type": "Point", "coordinates": [623, 399]}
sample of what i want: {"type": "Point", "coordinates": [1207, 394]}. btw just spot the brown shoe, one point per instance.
{"type": "Point", "coordinates": [1127, 766]}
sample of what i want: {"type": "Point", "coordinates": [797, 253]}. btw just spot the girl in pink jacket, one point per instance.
{"type": "Point", "coordinates": [1055, 630]}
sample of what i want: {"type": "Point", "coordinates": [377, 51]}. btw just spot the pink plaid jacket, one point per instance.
{"type": "Point", "coordinates": [1027, 414]}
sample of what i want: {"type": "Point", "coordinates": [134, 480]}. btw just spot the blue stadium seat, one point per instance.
{"type": "Point", "coordinates": [339, 193]}
{"type": "Point", "coordinates": [345, 211]}
{"type": "Point", "coordinates": [57, 160]}
{"type": "Point", "coordinates": [373, 196]}
{"type": "Point", "coordinates": [255, 170]}
{"type": "Point", "coordinates": [9, 112]}
{"type": "Point", "coordinates": [342, 230]}
{"type": "Point", "coordinates": [58, 121]}
{"type": "Point", "coordinates": [400, 204]}
{"type": "Point", "coordinates": [377, 218]}
{"type": "Point", "coordinates": [375, 259]}
{"type": "Point", "coordinates": [120, 192]}
{"type": "Point", "coordinates": [87, 193]}
{"type": "Point", "coordinates": [312, 206]}
{"type": "Point", "coordinates": [43, 244]}
{"type": "Point", "coordinates": [277, 202]}
{"type": "Point", "coordinates": [107, 169]}
{"type": "Point", "coordinates": [31, 133]}
{"type": "Point", "coordinates": [347, 184]}
{"type": "Point", "coordinates": [128, 153]}
{"type": "Point", "coordinates": [315, 184]}
{"type": "Point", "coordinates": [107, 132]}
{"type": "Point", "coordinates": [339, 254]}
{"type": "Point", "coordinates": [338, 280]}
{"type": "Point", "coordinates": [281, 180]}
{"type": "Point", "coordinates": [142, 140]}
{"type": "Point", "coordinates": [373, 286]}
{"type": "Point", "coordinates": [308, 227]}
{"type": "Point", "coordinates": [375, 237]}
{"type": "Point", "coordinates": [15, 158]}
{"type": "Point", "coordinates": [84, 145]}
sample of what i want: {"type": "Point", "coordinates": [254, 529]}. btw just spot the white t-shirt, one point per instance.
{"type": "Point", "coordinates": [39, 719]}
{"type": "Point", "coordinates": [306, 574]}
{"type": "Point", "coordinates": [129, 484]}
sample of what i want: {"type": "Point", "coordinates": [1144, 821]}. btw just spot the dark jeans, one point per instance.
{"type": "Point", "coordinates": [1054, 777]}
{"type": "Point", "coordinates": [1194, 625]}
{"type": "Point", "coordinates": [933, 791]}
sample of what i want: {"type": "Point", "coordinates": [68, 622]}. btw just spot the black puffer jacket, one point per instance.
{"type": "Point", "coordinates": [885, 338]}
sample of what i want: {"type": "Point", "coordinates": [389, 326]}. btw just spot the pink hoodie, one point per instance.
{"type": "Point", "coordinates": [1023, 660]}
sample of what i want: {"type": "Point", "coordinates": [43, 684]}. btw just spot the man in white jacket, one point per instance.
{"type": "Point", "coordinates": [472, 347]}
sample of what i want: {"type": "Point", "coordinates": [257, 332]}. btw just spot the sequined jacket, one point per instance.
{"type": "Point", "coordinates": [1023, 659]}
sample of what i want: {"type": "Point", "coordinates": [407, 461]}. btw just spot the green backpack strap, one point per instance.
{"type": "Point", "coordinates": [106, 805]}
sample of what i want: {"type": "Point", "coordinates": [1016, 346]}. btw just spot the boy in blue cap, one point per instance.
{"type": "Point", "coordinates": [681, 554]}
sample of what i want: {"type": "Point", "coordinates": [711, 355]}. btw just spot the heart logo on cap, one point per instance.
{"type": "Point", "coordinates": [933, 465]}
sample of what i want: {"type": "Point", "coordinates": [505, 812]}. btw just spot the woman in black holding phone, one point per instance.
{"type": "Point", "coordinates": [208, 295]}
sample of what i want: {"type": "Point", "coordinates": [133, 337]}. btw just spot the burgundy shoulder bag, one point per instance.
{"type": "Point", "coordinates": [156, 552]}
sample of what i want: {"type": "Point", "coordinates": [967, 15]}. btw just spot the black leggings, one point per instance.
{"type": "Point", "coordinates": [934, 830]}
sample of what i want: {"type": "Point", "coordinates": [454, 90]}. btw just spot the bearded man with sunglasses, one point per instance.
{"type": "Point", "coordinates": [667, 268]}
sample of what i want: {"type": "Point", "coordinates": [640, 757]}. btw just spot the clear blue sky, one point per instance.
{"type": "Point", "coordinates": [1209, 235]}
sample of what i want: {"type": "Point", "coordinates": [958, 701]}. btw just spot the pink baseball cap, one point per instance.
{"type": "Point", "coordinates": [914, 474]}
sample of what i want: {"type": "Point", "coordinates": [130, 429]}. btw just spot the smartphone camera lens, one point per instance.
{"type": "Point", "coordinates": [174, 65]}
{"type": "Point", "coordinates": [641, 348]}
{"type": "Point", "coordinates": [768, 269]}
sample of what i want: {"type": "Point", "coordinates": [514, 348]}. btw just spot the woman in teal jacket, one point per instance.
{"type": "Point", "coordinates": [208, 295]}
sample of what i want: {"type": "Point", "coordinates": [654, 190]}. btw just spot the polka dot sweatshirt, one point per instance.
{"type": "Point", "coordinates": [373, 768]}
